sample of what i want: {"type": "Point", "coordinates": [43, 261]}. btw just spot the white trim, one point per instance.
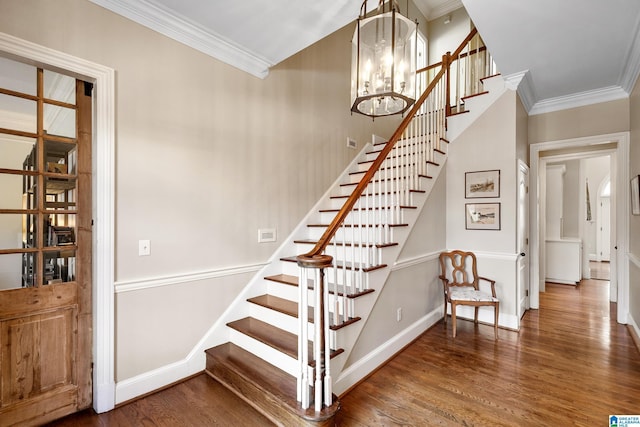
{"type": "Point", "coordinates": [611, 93]}
{"type": "Point", "coordinates": [384, 352]}
{"type": "Point", "coordinates": [167, 22]}
{"type": "Point", "coordinates": [156, 379]}
{"type": "Point", "coordinates": [103, 191]}
{"type": "Point", "coordinates": [631, 70]}
{"type": "Point", "coordinates": [622, 208]}
{"type": "Point", "coordinates": [156, 282]}
{"type": "Point", "coordinates": [410, 262]}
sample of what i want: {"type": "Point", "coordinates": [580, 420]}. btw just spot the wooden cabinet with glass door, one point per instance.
{"type": "Point", "coordinates": [45, 244]}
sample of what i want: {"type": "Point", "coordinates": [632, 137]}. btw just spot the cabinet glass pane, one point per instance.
{"type": "Point", "coordinates": [59, 87]}
{"type": "Point", "coordinates": [11, 269]}
{"type": "Point", "coordinates": [16, 151]}
{"type": "Point", "coordinates": [18, 113]}
{"type": "Point", "coordinates": [13, 194]}
{"type": "Point", "coordinates": [60, 157]}
{"type": "Point", "coordinates": [18, 77]}
{"type": "Point", "coordinates": [59, 121]}
{"type": "Point", "coordinates": [59, 267]}
{"type": "Point", "coordinates": [13, 230]}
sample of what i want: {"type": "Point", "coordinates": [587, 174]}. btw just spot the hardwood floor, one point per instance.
{"type": "Point", "coordinates": [600, 270]}
{"type": "Point", "coordinates": [570, 364]}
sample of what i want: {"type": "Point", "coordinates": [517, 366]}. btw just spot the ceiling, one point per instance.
{"type": "Point", "coordinates": [559, 54]}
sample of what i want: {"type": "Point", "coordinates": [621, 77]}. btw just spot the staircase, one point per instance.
{"type": "Point", "coordinates": [284, 366]}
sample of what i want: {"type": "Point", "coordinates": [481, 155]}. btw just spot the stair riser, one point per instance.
{"type": "Point", "coordinates": [373, 255]}
{"type": "Point", "coordinates": [348, 234]}
{"type": "Point", "coordinates": [389, 181]}
{"type": "Point", "coordinates": [377, 200]}
{"type": "Point", "coordinates": [281, 290]}
{"type": "Point", "coordinates": [265, 352]}
{"type": "Point", "coordinates": [293, 269]}
{"type": "Point", "coordinates": [384, 215]}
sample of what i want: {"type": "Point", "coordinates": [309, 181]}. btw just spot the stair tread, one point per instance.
{"type": "Point", "coordinates": [290, 308]}
{"type": "Point", "coordinates": [277, 338]}
{"type": "Point", "coordinates": [349, 265]}
{"type": "Point", "coordinates": [274, 337]}
{"type": "Point", "coordinates": [357, 225]}
{"type": "Point", "coordinates": [365, 209]}
{"type": "Point", "coordinates": [272, 379]}
{"type": "Point", "coordinates": [265, 387]}
{"type": "Point", "coordinates": [286, 279]}
{"type": "Point", "coordinates": [278, 304]}
{"type": "Point", "coordinates": [346, 196]}
{"type": "Point", "coordinates": [293, 281]}
{"type": "Point", "coordinates": [314, 241]}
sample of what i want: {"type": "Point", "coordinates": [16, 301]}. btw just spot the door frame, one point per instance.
{"type": "Point", "coordinates": [103, 143]}
{"type": "Point", "coordinates": [620, 173]}
{"type": "Point", "coordinates": [523, 301]}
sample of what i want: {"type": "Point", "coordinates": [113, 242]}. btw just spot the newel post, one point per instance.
{"type": "Point", "coordinates": [446, 65]}
{"type": "Point", "coordinates": [322, 383]}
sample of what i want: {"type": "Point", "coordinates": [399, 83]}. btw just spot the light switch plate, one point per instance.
{"type": "Point", "coordinates": [144, 247]}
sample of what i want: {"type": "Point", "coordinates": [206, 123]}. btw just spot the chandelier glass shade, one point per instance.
{"type": "Point", "coordinates": [383, 66]}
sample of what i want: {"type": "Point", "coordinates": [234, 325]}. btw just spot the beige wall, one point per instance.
{"type": "Point", "coordinates": [596, 119]}
{"type": "Point", "coordinates": [445, 38]}
{"type": "Point", "coordinates": [205, 156]}
{"type": "Point", "coordinates": [414, 288]}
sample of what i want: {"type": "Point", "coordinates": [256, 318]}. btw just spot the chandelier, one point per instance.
{"type": "Point", "coordinates": [383, 65]}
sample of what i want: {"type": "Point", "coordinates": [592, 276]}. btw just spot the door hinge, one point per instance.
{"type": "Point", "coordinates": [526, 293]}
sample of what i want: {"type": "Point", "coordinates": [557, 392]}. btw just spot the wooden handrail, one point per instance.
{"type": "Point", "coordinates": [331, 230]}
{"type": "Point", "coordinates": [364, 182]}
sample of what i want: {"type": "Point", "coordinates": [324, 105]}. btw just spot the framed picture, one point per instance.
{"type": "Point", "coordinates": [482, 216]}
{"type": "Point", "coordinates": [635, 195]}
{"type": "Point", "coordinates": [61, 236]}
{"type": "Point", "coordinates": [482, 184]}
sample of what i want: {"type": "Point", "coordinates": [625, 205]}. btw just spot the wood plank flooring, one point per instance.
{"type": "Point", "coordinates": [570, 364]}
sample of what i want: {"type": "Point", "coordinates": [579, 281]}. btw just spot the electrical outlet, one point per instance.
{"type": "Point", "coordinates": [144, 247]}
{"type": "Point", "coordinates": [351, 143]}
{"type": "Point", "coordinates": [399, 314]}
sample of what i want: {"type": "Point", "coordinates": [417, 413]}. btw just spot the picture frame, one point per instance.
{"type": "Point", "coordinates": [482, 216]}
{"type": "Point", "coordinates": [482, 184]}
{"type": "Point", "coordinates": [61, 236]}
{"type": "Point", "coordinates": [635, 195]}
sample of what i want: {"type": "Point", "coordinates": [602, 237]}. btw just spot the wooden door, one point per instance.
{"type": "Point", "coordinates": [45, 245]}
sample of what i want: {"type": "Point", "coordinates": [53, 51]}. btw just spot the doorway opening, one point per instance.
{"type": "Point", "coordinates": [617, 147]}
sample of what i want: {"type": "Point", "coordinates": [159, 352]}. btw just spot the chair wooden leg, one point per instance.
{"type": "Point", "coordinates": [445, 310]}
{"type": "Point", "coordinates": [453, 318]}
{"type": "Point", "coordinates": [475, 318]}
{"type": "Point", "coordinates": [496, 309]}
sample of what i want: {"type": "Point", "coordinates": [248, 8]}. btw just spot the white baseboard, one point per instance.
{"type": "Point", "coordinates": [632, 323]}
{"type": "Point", "coordinates": [158, 378]}
{"type": "Point", "coordinates": [355, 373]}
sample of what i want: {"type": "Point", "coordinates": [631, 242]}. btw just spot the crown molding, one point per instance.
{"type": "Point", "coordinates": [581, 99]}
{"type": "Point", "coordinates": [631, 68]}
{"type": "Point", "coordinates": [181, 29]}
{"type": "Point", "coordinates": [521, 82]}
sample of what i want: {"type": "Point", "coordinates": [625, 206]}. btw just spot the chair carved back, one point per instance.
{"type": "Point", "coordinates": [460, 268]}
